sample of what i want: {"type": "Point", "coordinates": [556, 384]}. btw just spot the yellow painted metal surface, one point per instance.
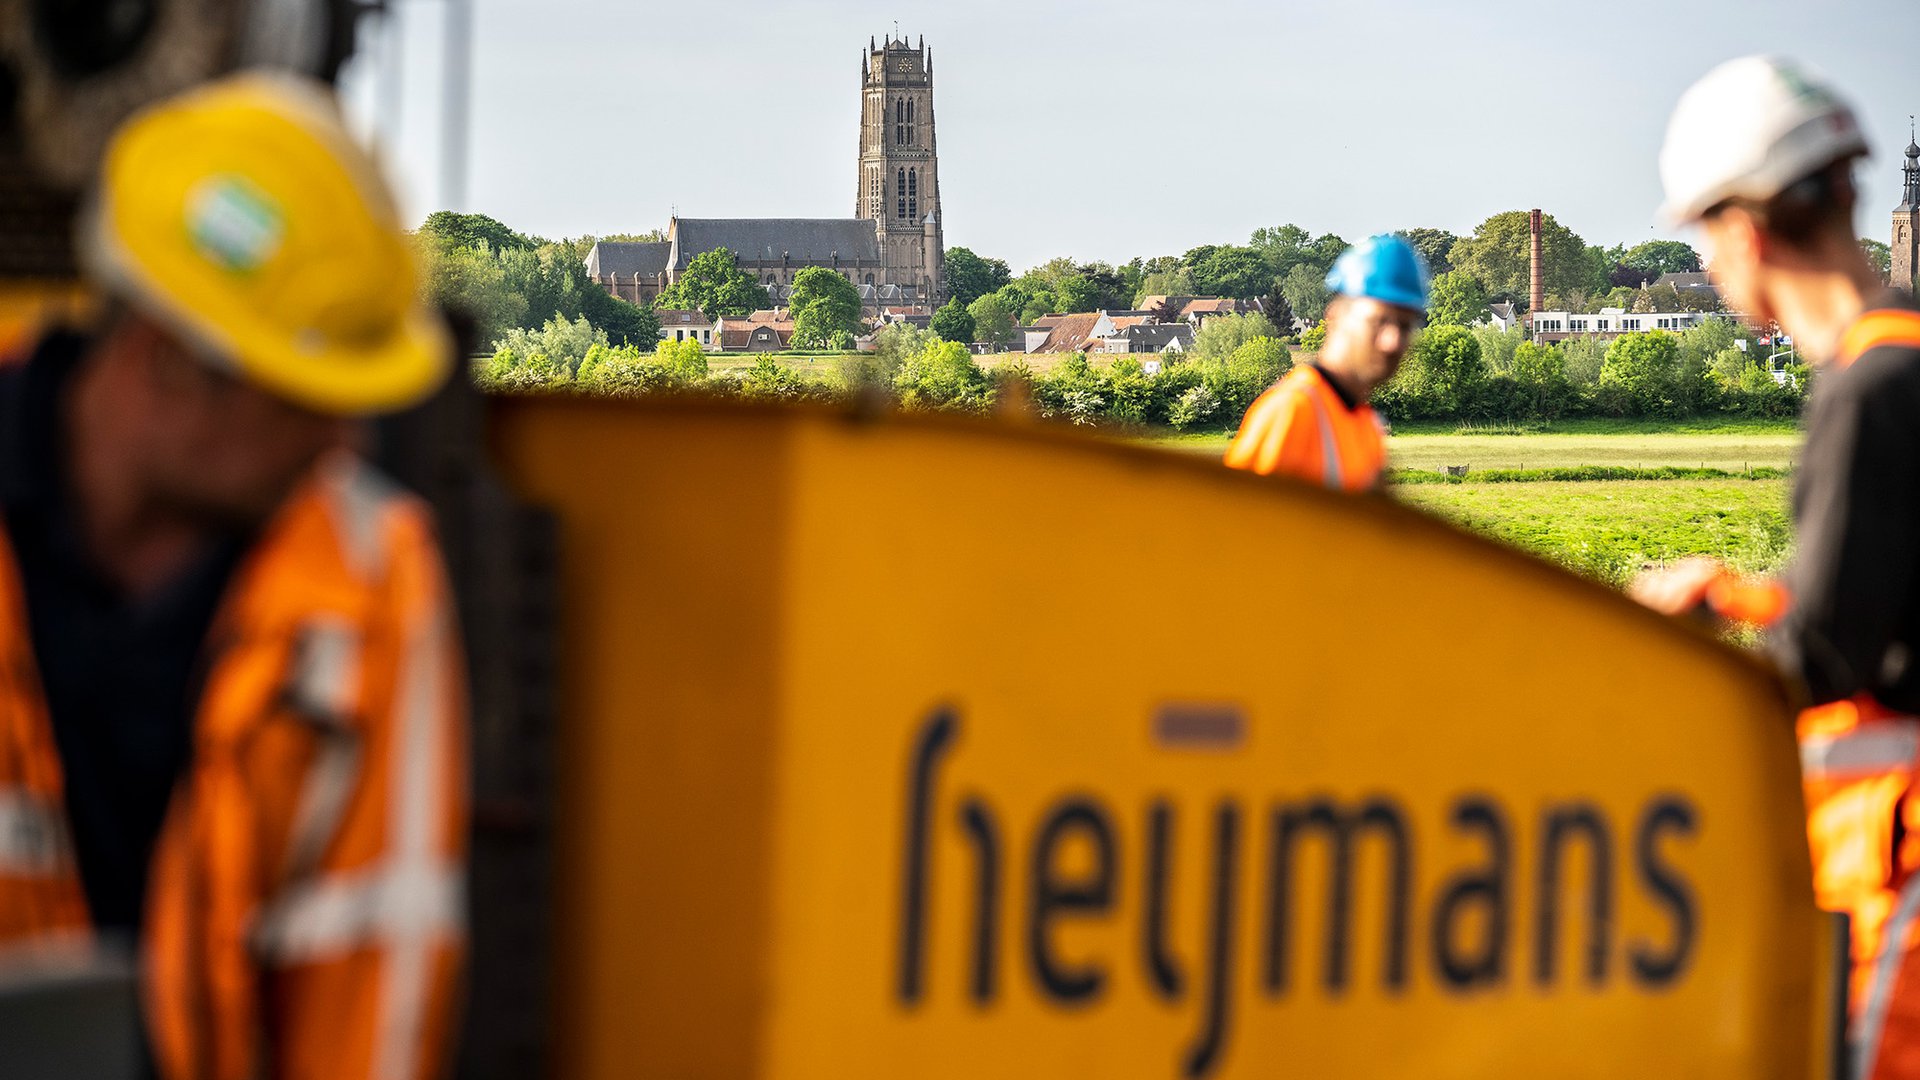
{"type": "Point", "coordinates": [932, 748]}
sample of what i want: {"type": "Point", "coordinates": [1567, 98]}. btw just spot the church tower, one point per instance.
{"type": "Point", "coordinates": [900, 165]}
{"type": "Point", "coordinates": [1906, 227]}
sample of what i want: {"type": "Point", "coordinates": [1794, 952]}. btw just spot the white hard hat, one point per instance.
{"type": "Point", "coordinates": [1748, 129]}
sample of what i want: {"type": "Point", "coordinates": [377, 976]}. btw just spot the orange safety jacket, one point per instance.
{"type": "Point", "coordinates": [1858, 763]}
{"type": "Point", "coordinates": [304, 911]}
{"type": "Point", "coordinates": [1300, 427]}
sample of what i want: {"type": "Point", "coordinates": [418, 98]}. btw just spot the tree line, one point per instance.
{"type": "Point", "coordinates": [1285, 267]}
{"type": "Point", "coordinates": [1451, 373]}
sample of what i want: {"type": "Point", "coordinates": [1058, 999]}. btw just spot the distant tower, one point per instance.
{"type": "Point", "coordinates": [1906, 225]}
{"type": "Point", "coordinates": [900, 163]}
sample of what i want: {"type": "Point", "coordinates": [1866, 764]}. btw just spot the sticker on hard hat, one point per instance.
{"type": "Point", "coordinates": [234, 224]}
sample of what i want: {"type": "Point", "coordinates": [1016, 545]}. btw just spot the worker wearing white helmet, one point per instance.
{"type": "Point", "coordinates": [1759, 156]}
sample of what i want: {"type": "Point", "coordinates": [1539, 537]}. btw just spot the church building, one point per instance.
{"type": "Point", "coordinates": [891, 248]}
{"type": "Point", "coordinates": [1906, 226]}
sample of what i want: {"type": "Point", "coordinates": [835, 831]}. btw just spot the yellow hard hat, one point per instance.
{"type": "Point", "coordinates": [244, 216]}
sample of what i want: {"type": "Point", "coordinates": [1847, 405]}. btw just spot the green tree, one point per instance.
{"type": "Point", "coordinates": [1176, 282]}
{"type": "Point", "coordinates": [1279, 312]}
{"type": "Point", "coordinates": [714, 283]}
{"type": "Point", "coordinates": [467, 230]}
{"type": "Point", "coordinates": [992, 322]}
{"type": "Point", "coordinates": [1219, 336]}
{"type": "Point", "coordinates": [1658, 257]}
{"type": "Point", "coordinates": [469, 280]}
{"type": "Point", "coordinates": [1305, 287]}
{"type": "Point", "coordinates": [560, 343]}
{"type": "Point", "coordinates": [1582, 358]}
{"type": "Point", "coordinates": [1287, 246]}
{"type": "Point", "coordinates": [1700, 344]}
{"type": "Point", "coordinates": [1641, 373]}
{"type": "Point", "coordinates": [953, 323]}
{"type": "Point", "coordinates": [1540, 375]}
{"type": "Point", "coordinates": [686, 361]}
{"type": "Point", "coordinates": [1075, 293]}
{"type": "Point", "coordinates": [823, 304]}
{"type": "Point", "coordinates": [1497, 346]}
{"type": "Point", "coordinates": [1443, 371]}
{"type": "Point", "coordinates": [1498, 255]}
{"type": "Point", "coordinates": [1434, 245]}
{"type": "Point", "coordinates": [969, 277]}
{"type": "Point", "coordinates": [1458, 300]}
{"type": "Point", "coordinates": [1040, 302]}
{"type": "Point", "coordinates": [874, 372]}
{"type": "Point", "coordinates": [1239, 272]}
{"type": "Point", "coordinates": [1113, 290]}
{"type": "Point", "coordinates": [1880, 256]}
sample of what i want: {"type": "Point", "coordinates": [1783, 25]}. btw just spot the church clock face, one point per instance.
{"type": "Point", "coordinates": [903, 66]}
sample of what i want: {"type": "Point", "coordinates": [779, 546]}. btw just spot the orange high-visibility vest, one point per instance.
{"type": "Point", "coordinates": [304, 911]}
{"type": "Point", "coordinates": [1858, 762]}
{"type": "Point", "coordinates": [1301, 428]}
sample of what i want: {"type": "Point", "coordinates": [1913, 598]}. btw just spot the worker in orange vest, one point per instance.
{"type": "Point", "coordinates": [1315, 423]}
{"type": "Point", "coordinates": [1759, 155]}
{"type": "Point", "coordinates": [230, 689]}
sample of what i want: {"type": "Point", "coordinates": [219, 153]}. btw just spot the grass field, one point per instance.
{"type": "Point", "coordinates": [1733, 447]}
{"type": "Point", "coordinates": [1606, 529]}
{"type": "Point", "coordinates": [1610, 530]}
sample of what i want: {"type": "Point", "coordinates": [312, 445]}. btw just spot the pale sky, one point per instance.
{"type": "Point", "coordinates": [1114, 129]}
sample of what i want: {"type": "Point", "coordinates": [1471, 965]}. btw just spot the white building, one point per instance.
{"type": "Point", "coordinates": [1612, 322]}
{"type": "Point", "coordinates": [678, 325]}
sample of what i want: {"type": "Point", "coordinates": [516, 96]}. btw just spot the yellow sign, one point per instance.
{"type": "Point", "coordinates": [924, 747]}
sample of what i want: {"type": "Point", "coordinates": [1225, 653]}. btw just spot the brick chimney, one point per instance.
{"type": "Point", "coordinates": [1536, 295]}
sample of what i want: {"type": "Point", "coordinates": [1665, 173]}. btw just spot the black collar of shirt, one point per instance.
{"type": "Point", "coordinates": [1338, 390]}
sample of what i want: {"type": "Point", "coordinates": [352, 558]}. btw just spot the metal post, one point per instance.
{"type": "Point", "coordinates": [458, 63]}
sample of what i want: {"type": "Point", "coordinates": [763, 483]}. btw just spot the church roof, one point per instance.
{"type": "Point", "coordinates": [800, 240]}
{"type": "Point", "coordinates": [627, 258]}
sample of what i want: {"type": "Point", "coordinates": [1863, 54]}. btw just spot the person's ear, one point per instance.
{"type": "Point", "coordinates": [1755, 247]}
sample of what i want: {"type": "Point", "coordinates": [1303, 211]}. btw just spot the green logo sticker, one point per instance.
{"type": "Point", "coordinates": [234, 224]}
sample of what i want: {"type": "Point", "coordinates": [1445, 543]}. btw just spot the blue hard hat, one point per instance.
{"type": "Point", "coordinates": [1386, 268]}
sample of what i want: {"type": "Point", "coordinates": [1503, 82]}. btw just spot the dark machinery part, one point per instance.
{"type": "Point", "coordinates": [72, 70]}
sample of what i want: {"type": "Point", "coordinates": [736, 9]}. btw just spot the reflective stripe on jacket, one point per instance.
{"type": "Point", "coordinates": [304, 913]}
{"type": "Point", "coordinates": [1300, 427]}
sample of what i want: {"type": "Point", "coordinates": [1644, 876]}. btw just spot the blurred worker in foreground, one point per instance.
{"type": "Point", "coordinates": [229, 684]}
{"type": "Point", "coordinates": [1759, 154]}
{"type": "Point", "coordinates": [1315, 424]}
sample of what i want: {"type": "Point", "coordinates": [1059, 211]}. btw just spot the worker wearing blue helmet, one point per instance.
{"type": "Point", "coordinates": [1315, 424]}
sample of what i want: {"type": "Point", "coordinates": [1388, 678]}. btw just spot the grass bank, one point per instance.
{"type": "Point", "coordinates": [1609, 531]}
{"type": "Point", "coordinates": [1727, 447]}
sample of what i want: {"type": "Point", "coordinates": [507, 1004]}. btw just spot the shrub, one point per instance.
{"type": "Point", "coordinates": [944, 375]}
{"type": "Point", "coordinates": [1196, 406]}
{"type": "Point", "coordinates": [1130, 391]}
{"type": "Point", "coordinates": [772, 380]}
{"type": "Point", "coordinates": [565, 344]}
{"type": "Point", "coordinates": [1641, 374]}
{"type": "Point", "coordinates": [1219, 336]}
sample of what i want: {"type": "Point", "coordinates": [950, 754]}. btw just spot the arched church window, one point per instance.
{"type": "Point", "coordinates": [910, 139]}
{"type": "Point", "coordinates": [900, 190]}
{"type": "Point", "coordinates": [913, 194]}
{"type": "Point", "coordinates": [899, 122]}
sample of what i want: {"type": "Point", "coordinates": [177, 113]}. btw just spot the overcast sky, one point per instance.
{"type": "Point", "coordinates": [1108, 130]}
